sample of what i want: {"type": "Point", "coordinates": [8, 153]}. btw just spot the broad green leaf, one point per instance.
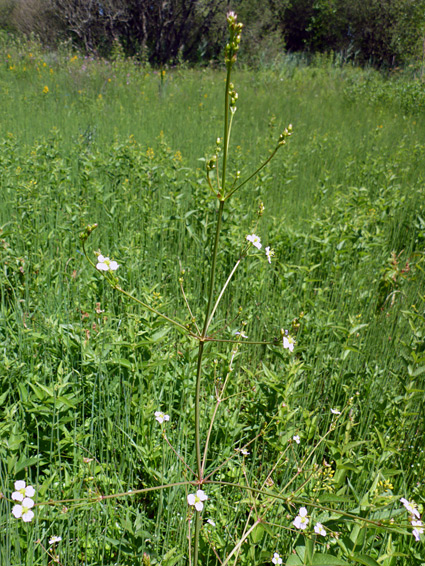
{"type": "Point", "coordinates": [328, 560]}
{"type": "Point", "coordinates": [365, 560]}
{"type": "Point", "coordinates": [294, 560]}
{"type": "Point", "coordinates": [257, 534]}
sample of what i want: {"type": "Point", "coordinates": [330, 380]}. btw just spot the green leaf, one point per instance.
{"type": "Point", "coordinates": [293, 560]}
{"type": "Point", "coordinates": [328, 560]}
{"type": "Point", "coordinates": [329, 498]}
{"type": "Point", "coordinates": [257, 534]}
{"type": "Point", "coordinates": [365, 560]}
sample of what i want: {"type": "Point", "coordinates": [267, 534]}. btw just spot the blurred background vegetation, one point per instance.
{"type": "Point", "coordinates": [384, 33]}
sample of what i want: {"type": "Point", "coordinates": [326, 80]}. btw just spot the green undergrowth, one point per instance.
{"type": "Point", "coordinates": [83, 370]}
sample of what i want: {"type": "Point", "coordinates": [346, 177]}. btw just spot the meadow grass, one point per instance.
{"type": "Point", "coordinates": [83, 370]}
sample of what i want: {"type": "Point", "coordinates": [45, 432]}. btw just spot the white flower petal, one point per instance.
{"type": "Point", "coordinates": [28, 516]}
{"type": "Point", "coordinates": [202, 495]}
{"type": "Point", "coordinates": [20, 484]}
{"type": "Point", "coordinates": [29, 491]}
{"type": "Point", "coordinates": [17, 511]}
{"type": "Point", "coordinates": [28, 503]}
{"type": "Point", "coordinates": [319, 529]}
{"type": "Point", "coordinates": [199, 505]}
{"type": "Point", "coordinates": [191, 499]}
{"type": "Point", "coordinates": [17, 496]}
{"type": "Point", "coordinates": [102, 267]}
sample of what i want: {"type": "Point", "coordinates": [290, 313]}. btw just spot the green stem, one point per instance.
{"type": "Point", "coordinates": [240, 543]}
{"type": "Point", "coordinates": [197, 411]}
{"type": "Point", "coordinates": [226, 127]}
{"type": "Point", "coordinates": [221, 294]}
{"type": "Point", "coordinates": [255, 173]}
{"type": "Point", "coordinates": [144, 305]}
{"type": "Point", "coordinates": [213, 266]}
{"type": "Point", "coordinates": [208, 310]}
{"type": "Point", "coordinates": [197, 531]}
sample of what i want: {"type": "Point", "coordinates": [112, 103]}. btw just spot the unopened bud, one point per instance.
{"type": "Point", "coordinates": [87, 231]}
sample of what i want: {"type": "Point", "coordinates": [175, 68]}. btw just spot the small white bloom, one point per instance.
{"type": "Point", "coordinates": [22, 490]}
{"type": "Point", "coordinates": [241, 334]}
{"type": "Point", "coordinates": [319, 529]}
{"type": "Point", "coordinates": [196, 499]}
{"type": "Point", "coordinates": [411, 507]}
{"type": "Point", "coordinates": [105, 264]}
{"type": "Point", "coordinates": [417, 534]}
{"type": "Point", "coordinates": [269, 254]}
{"type": "Point", "coordinates": [301, 520]}
{"type": "Point", "coordinates": [244, 451]}
{"type": "Point", "coordinates": [23, 511]}
{"type": "Point", "coordinates": [288, 342]}
{"type": "Point", "coordinates": [335, 412]}
{"type": "Point", "coordinates": [296, 439]}
{"type": "Point", "coordinates": [276, 559]}
{"type": "Point", "coordinates": [255, 241]}
{"type": "Point", "coordinates": [54, 540]}
{"type": "Point", "coordinates": [211, 522]}
{"type": "Point", "coordinates": [161, 417]}
{"type": "Point", "coordinates": [417, 524]}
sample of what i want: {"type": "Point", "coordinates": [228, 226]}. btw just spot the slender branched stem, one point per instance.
{"type": "Point", "coordinates": [241, 541]}
{"type": "Point", "coordinates": [221, 294]}
{"type": "Point", "coordinates": [253, 174]}
{"type": "Point", "coordinates": [113, 495]}
{"type": "Point", "coordinates": [188, 306]}
{"type": "Point", "coordinates": [144, 305]}
{"type": "Point", "coordinates": [188, 468]}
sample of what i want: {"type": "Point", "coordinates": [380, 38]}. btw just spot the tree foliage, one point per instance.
{"type": "Point", "coordinates": [381, 32]}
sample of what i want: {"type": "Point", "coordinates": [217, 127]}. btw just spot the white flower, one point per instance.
{"type": "Point", "coordinates": [319, 529]}
{"type": "Point", "coordinates": [335, 412]}
{"type": "Point", "coordinates": [255, 241]}
{"type": "Point", "coordinates": [288, 342]}
{"type": "Point", "coordinates": [241, 334]}
{"type": "Point", "coordinates": [211, 522]}
{"type": "Point", "coordinates": [301, 520]}
{"type": "Point", "coordinates": [161, 417]}
{"type": "Point", "coordinates": [269, 254]}
{"type": "Point", "coordinates": [197, 499]}
{"type": "Point", "coordinates": [22, 490]}
{"type": "Point", "coordinates": [411, 507]}
{"type": "Point", "coordinates": [296, 438]}
{"type": "Point", "coordinates": [276, 558]}
{"type": "Point", "coordinates": [105, 264]}
{"type": "Point", "coordinates": [417, 534]}
{"type": "Point", "coordinates": [244, 451]}
{"type": "Point", "coordinates": [24, 510]}
{"type": "Point", "coordinates": [54, 540]}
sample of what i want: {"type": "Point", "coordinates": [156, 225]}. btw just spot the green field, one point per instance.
{"type": "Point", "coordinates": [83, 368]}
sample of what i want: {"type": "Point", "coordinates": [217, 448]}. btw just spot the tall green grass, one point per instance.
{"type": "Point", "coordinates": [82, 370]}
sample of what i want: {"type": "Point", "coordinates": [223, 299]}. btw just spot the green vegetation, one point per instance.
{"type": "Point", "coordinates": [384, 33]}
{"type": "Point", "coordinates": [83, 369]}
